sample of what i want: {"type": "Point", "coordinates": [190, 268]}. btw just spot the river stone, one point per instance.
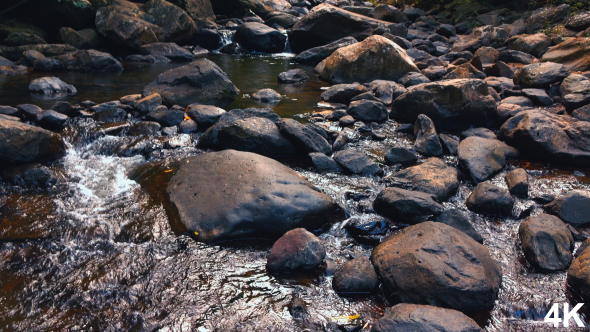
{"type": "Point", "coordinates": [166, 117]}
{"type": "Point", "coordinates": [432, 263]}
{"type": "Point", "coordinates": [374, 58]}
{"type": "Point", "coordinates": [204, 115]}
{"type": "Point", "coordinates": [295, 251]}
{"type": "Point", "coordinates": [433, 176]}
{"type": "Point", "coordinates": [386, 91]}
{"type": "Point", "coordinates": [356, 276]}
{"type": "Point", "coordinates": [257, 37]}
{"type": "Point", "coordinates": [23, 143]}
{"type": "Point", "coordinates": [200, 81]}
{"type": "Point", "coordinates": [29, 111]}
{"type": "Point", "coordinates": [573, 208]}
{"type": "Point", "coordinates": [540, 75]}
{"type": "Point", "coordinates": [357, 162]}
{"type": "Point", "coordinates": [578, 275]}
{"type": "Point", "coordinates": [304, 137]}
{"type": "Point", "coordinates": [343, 93]}
{"type": "Point", "coordinates": [148, 103]}
{"type": "Point", "coordinates": [478, 132]}
{"type": "Point", "coordinates": [83, 39]}
{"type": "Point", "coordinates": [547, 242]}
{"type": "Point", "coordinates": [51, 85]}
{"type": "Point", "coordinates": [405, 206]}
{"type": "Point", "coordinates": [574, 84]}
{"type": "Point", "coordinates": [267, 96]}
{"type": "Point", "coordinates": [89, 61]}
{"type": "Point", "coordinates": [400, 155]}
{"type": "Point", "coordinates": [146, 128]}
{"type": "Point", "coordinates": [513, 56]}
{"type": "Point", "coordinates": [168, 50]}
{"type": "Point", "coordinates": [315, 55]}
{"type": "Point", "coordinates": [481, 157]}
{"type": "Point", "coordinates": [538, 96]}
{"type": "Point", "coordinates": [518, 182]}
{"type": "Point", "coordinates": [236, 195]}
{"type": "Point", "coordinates": [451, 104]}
{"type": "Point", "coordinates": [323, 163]}
{"type": "Point", "coordinates": [573, 53]}
{"type": "Point", "coordinates": [52, 120]}
{"type": "Point", "coordinates": [410, 318]}
{"type": "Point", "coordinates": [459, 220]}
{"type": "Point", "coordinates": [427, 142]}
{"type": "Point", "coordinates": [487, 198]}
{"type": "Point", "coordinates": [534, 45]}
{"type": "Point", "coordinates": [293, 76]}
{"type": "Point", "coordinates": [368, 111]}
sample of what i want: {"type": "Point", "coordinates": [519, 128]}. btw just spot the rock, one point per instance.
{"type": "Point", "coordinates": [512, 56]}
{"type": "Point", "coordinates": [325, 24]}
{"type": "Point", "coordinates": [579, 21]}
{"type": "Point", "coordinates": [386, 91]}
{"type": "Point", "coordinates": [457, 219]}
{"type": "Point", "coordinates": [433, 176]}
{"type": "Point", "coordinates": [388, 13]}
{"type": "Point", "coordinates": [374, 58]}
{"type": "Point", "coordinates": [433, 263]}
{"type": "Point", "coordinates": [572, 53]}
{"type": "Point", "coordinates": [260, 7]}
{"type": "Point", "coordinates": [266, 203]}
{"type": "Point", "coordinates": [578, 275]}
{"type": "Point", "coordinates": [357, 162]}
{"type": "Point", "coordinates": [89, 61]}
{"type": "Point", "coordinates": [346, 121]}
{"type": "Point", "coordinates": [487, 55]}
{"type": "Point", "coordinates": [146, 128]}
{"type": "Point", "coordinates": [293, 76]}
{"type": "Point", "coordinates": [368, 111]}
{"type": "Point", "coordinates": [481, 36]}
{"type": "Point", "coordinates": [413, 13]}
{"type": "Point", "coordinates": [518, 182]}
{"type": "Point", "coordinates": [14, 53]}
{"type": "Point", "coordinates": [257, 37]}
{"type": "Point", "coordinates": [204, 115]}
{"type": "Point", "coordinates": [130, 99]}
{"type": "Point", "coordinates": [316, 54]}
{"type": "Point", "coordinates": [434, 73]}
{"type": "Point", "coordinates": [201, 11]}
{"type": "Point", "coordinates": [267, 96]}
{"type": "Point", "coordinates": [538, 96]}
{"type": "Point", "coordinates": [321, 162]}
{"type": "Point", "coordinates": [168, 50]}
{"type": "Point", "coordinates": [151, 59]}
{"type": "Point", "coordinates": [200, 81]}
{"type": "Point", "coordinates": [343, 93]}
{"type": "Point", "coordinates": [22, 143]}
{"type": "Point", "coordinates": [481, 157]}
{"type": "Point", "coordinates": [547, 242]}
{"type": "Point", "coordinates": [165, 117]}
{"type": "Point", "coordinates": [110, 115]}
{"type": "Point", "coordinates": [304, 137]}
{"type": "Point", "coordinates": [356, 276]}
{"type": "Point", "coordinates": [126, 26]}
{"type": "Point", "coordinates": [411, 79]}
{"type": "Point", "coordinates": [500, 70]}
{"type": "Point", "coordinates": [29, 111]}
{"type": "Point", "coordinates": [488, 198]}
{"type": "Point", "coordinates": [540, 75]}
{"type": "Point", "coordinates": [574, 84]}
{"type": "Point", "coordinates": [51, 120]}
{"type": "Point", "coordinates": [518, 100]}
{"type": "Point", "coordinates": [175, 24]}
{"type": "Point", "coordinates": [83, 39]}
{"type": "Point", "coordinates": [534, 45]}
{"type": "Point", "coordinates": [398, 155]}
{"type": "Point", "coordinates": [51, 85]}
{"type": "Point", "coordinates": [449, 143]}
{"type": "Point", "coordinates": [285, 21]}
{"type": "Point", "coordinates": [41, 63]}
{"type": "Point", "coordinates": [148, 104]}
{"type": "Point", "coordinates": [572, 208]}
{"type": "Point", "coordinates": [544, 135]}
{"type": "Point", "coordinates": [410, 317]}
{"type": "Point", "coordinates": [452, 104]}
{"type": "Point", "coordinates": [405, 206]}
{"type": "Point", "coordinates": [582, 113]}
{"type": "Point", "coordinates": [297, 250]}
{"type": "Point", "coordinates": [478, 132]}
{"type": "Point", "coordinates": [63, 107]}
{"type": "Point", "coordinates": [544, 16]}
{"type": "Point", "coordinates": [427, 142]}
{"type": "Point", "coordinates": [466, 70]}
{"type": "Point", "coordinates": [576, 100]}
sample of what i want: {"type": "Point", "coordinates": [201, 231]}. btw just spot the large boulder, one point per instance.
{"type": "Point", "coordinates": [175, 24]}
{"type": "Point", "coordinates": [540, 75]}
{"type": "Point", "coordinates": [257, 37]}
{"type": "Point", "coordinates": [260, 7]}
{"type": "Point", "coordinates": [298, 250]}
{"type": "Point", "coordinates": [325, 24]}
{"type": "Point", "coordinates": [89, 61]}
{"type": "Point", "coordinates": [374, 58]}
{"type": "Point", "coordinates": [451, 104]}
{"type": "Point", "coordinates": [405, 317]}
{"type": "Point", "coordinates": [317, 54]}
{"type": "Point", "coordinates": [481, 157]}
{"type": "Point", "coordinates": [573, 208]}
{"type": "Point", "coordinates": [128, 27]}
{"type": "Point", "coordinates": [23, 143]}
{"type": "Point", "coordinates": [200, 81]}
{"type": "Point", "coordinates": [201, 11]}
{"type": "Point", "coordinates": [432, 263]}
{"type": "Point", "coordinates": [235, 195]}
{"type": "Point", "coordinates": [573, 53]}
{"type": "Point", "coordinates": [433, 176]}
{"type": "Point", "coordinates": [547, 136]}
{"type": "Point", "coordinates": [547, 242]}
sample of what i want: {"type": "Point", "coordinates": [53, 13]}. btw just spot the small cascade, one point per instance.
{"type": "Point", "coordinates": [227, 36]}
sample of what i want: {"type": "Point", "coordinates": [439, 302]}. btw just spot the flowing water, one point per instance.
{"type": "Point", "coordinates": [98, 251]}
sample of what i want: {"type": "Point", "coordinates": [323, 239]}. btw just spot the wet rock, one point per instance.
{"type": "Point", "coordinates": [282, 20]}
{"type": "Point", "coordinates": [297, 250]}
{"type": "Point", "coordinates": [540, 75]}
{"type": "Point", "coordinates": [266, 203]}
{"type": "Point", "coordinates": [343, 93]}
{"type": "Point", "coordinates": [89, 61]}
{"type": "Point", "coordinates": [151, 59]}
{"type": "Point", "coordinates": [146, 128]}
{"type": "Point", "coordinates": [433, 176]}
{"type": "Point", "coordinates": [578, 275]}
{"type": "Point", "coordinates": [316, 54]}
{"type": "Point", "coordinates": [410, 317]}
{"type": "Point", "coordinates": [29, 111]}
{"type": "Point", "coordinates": [388, 13]}
{"type": "Point", "coordinates": [257, 37]}
{"type": "Point", "coordinates": [355, 277]}
{"type": "Point", "coordinates": [433, 263]}
{"type": "Point", "coordinates": [405, 206]}
{"type": "Point", "coordinates": [459, 220]}
{"type": "Point", "coordinates": [367, 96]}
{"type": "Point", "coordinates": [487, 198]}
{"type": "Point", "coordinates": [267, 96]}
{"type": "Point", "coordinates": [323, 163]}
{"type": "Point", "coordinates": [368, 111]}
{"type": "Point", "coordinates": [547, 136]}
{"type": "Point", "coordinates": [110, 115]}
{"type": "Point", "coordinates": [83, 39]}
{"type": "Point", "coordinates": [30, 176]}
{"type": "Point", "coordinates": [51, 120]}
{"type": "Point", "coordinates": [518, 182]}
{"type": "Point", "coordinates": [148, 103]}
{"type": "Point", "coordinates": [538, 96]}
{"type": "Point", "coordinates": [534, 45]}
{"type": "Point", "coordinates": [573, 208]}
{"type": "Point", "coordinates": [547, 242]}
{"type": "Point", "coordinates": [572, 53]}
{"type": "Point", "coordinates": [165, 117]}
{"type": "Point", "coordinates": [399, 155]}
{"type": "Point", "coordinates": [357, 162]}
{"type": "Point", "coordinates": [481, 157]}
{"type": "Point", "coordinates": [346, 121]}
{"type": "Point", "coordinates": [342, 139]}
{"type": "Point", "coordinates": [293, 76]}
{"type": "Point", "coordinates": [200, 81]}
{"type": "Point", "coordinates": [513, 56]}
{"type": "Point", "coordinates": [452, 104]}
{"type": "Point", "coordinates": [51, 85]}
{"type": "Point", "coordinates": [204, 115]}
{"type": "Point", "coordinates": [374, 58]}
{"type": "Point", "coordinates": [168, 50]}
{"type": "Point", "coordinates": [23, 143]}
{"type": "Point", "coordinates": [304, 137]}
{"type": "Point", "coordinates": [427, 142]}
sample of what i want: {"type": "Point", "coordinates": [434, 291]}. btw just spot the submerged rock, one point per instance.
{"type": "Point", "coordinates": [410, 317]}
{"type": "Point", "coordinates": [236, 195]}
{"type": "Point", "coordinates": [298, 250]}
